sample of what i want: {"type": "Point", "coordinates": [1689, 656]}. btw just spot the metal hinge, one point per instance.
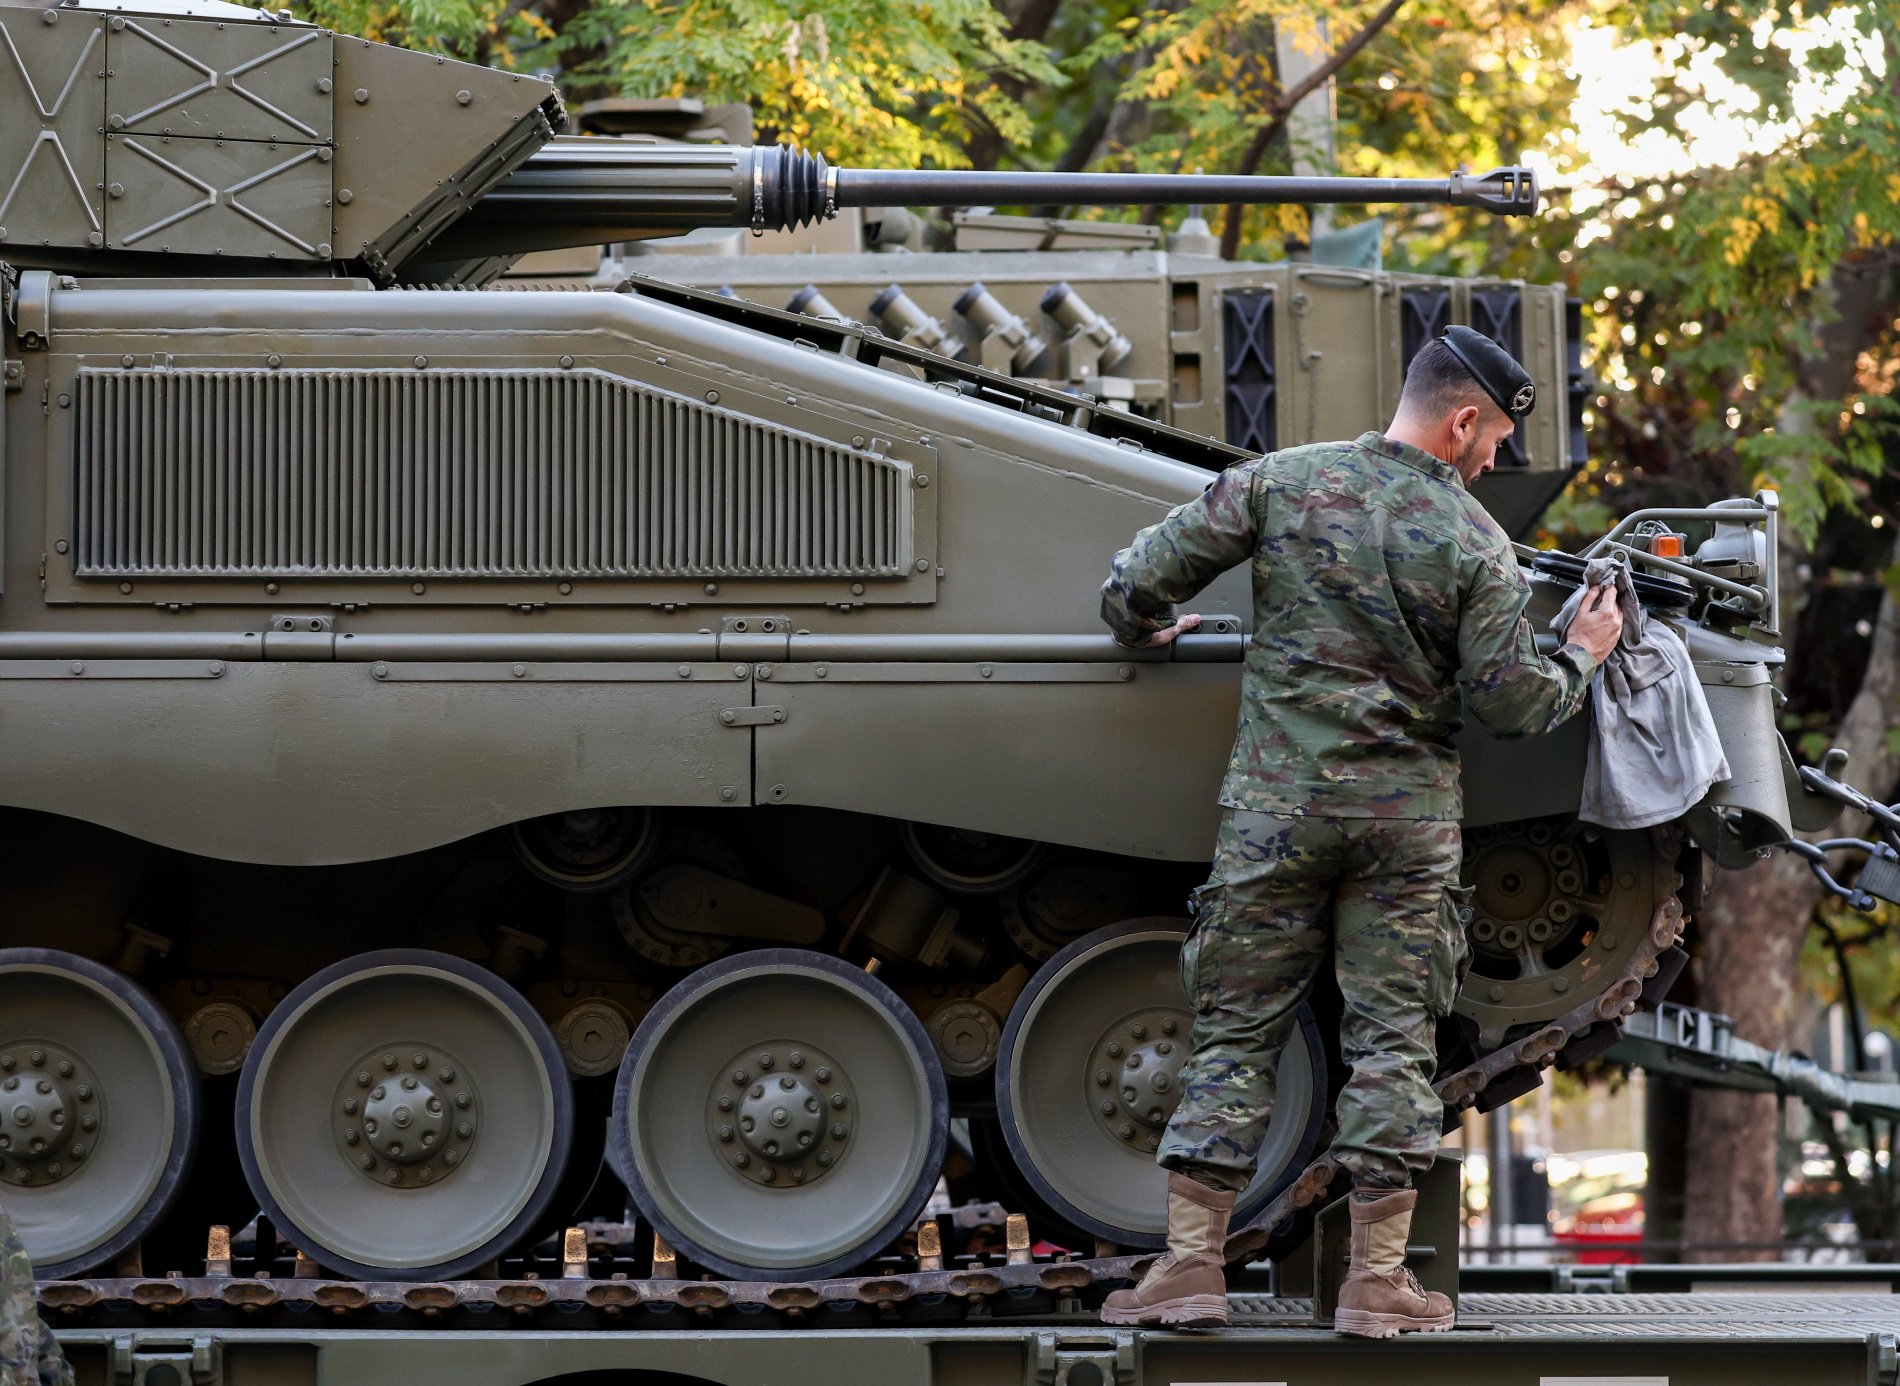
{"type": "Point", "coordinates": [300, 636]}
{"type": "Point", "coordinates": [751, 716]}
{"type": "Point", "coordinates": [198, 1362]}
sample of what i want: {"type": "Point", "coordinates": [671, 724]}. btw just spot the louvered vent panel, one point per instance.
{"type": "Point", "coordinates": [463, 474]}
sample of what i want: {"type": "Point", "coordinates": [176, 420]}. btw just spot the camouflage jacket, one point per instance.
{"type": "Point", "coordinates": [1378, 582]}
{"type": "Point", "coordinates": [29, 1356]}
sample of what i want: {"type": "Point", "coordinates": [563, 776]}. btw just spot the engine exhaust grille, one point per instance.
{"type": "Point", "coordinates": [463, 474]}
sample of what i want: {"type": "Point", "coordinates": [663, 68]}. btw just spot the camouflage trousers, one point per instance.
{"type": "Point", "coordinates": [1284, 890]}
{"type": "Point", "coordinates": [29, 1356]}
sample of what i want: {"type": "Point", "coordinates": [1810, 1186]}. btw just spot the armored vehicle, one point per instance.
{"type": "Point", "coordinates": [474, 760]}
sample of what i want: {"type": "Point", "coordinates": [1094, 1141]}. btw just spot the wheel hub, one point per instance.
{"type": "Point", "coordinates": [407, 1115]}
{"type": "Point", "coordinates": [1134, 1075]}
{"type": "Point", "coordinates": [967, 1034]}
{"type": "Point", "coordinates": [1525, 892]}
{"type": "Point", "coordinates": [50, 1114]}
{"type": "Point", "coordinates": [1556, 908]}
{"type": "Point", "coordinates": [781, 1115]}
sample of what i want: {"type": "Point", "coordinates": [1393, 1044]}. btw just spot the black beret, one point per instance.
{"type": "Point", "coordinates": [1509, 384]}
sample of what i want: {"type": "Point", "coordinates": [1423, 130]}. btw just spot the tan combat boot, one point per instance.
{"type": "Point", "coordinates": [1186, 1287]}
{"type": "Point", "coordinates": [1380, 1298]}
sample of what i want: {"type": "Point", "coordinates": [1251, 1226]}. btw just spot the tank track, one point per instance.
{"type": "Point", "coordinates": [573, 1297]}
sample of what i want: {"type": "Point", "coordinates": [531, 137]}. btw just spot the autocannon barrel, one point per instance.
{"type": "Point", "coordinates": [581, 191]}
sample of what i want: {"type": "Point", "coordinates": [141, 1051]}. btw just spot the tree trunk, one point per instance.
{"type": "Point", "coordinates": [1750, 939]}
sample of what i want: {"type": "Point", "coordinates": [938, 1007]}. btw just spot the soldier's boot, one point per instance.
{"type": "Point", "coordinates": [1380, 1298]}
{"type": "Point", "coordinates": [1187, 1286]}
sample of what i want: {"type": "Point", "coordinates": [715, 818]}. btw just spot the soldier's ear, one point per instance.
{"type": "Point", "coordinates": [1465, 421]}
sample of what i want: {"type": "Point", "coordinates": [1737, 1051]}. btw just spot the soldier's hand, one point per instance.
{"type": "Point", "coordinates": [1598, 624]}
{"type": "Point", "coordinates": [1167, 634]}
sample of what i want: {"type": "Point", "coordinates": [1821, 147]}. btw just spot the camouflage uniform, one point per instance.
{"type": "Point", "coordinates": [29, 1356]}
{"type": "Point", "coordinates": [1377, 582]}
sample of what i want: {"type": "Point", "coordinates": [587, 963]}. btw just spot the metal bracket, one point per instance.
{"type": "Point", "coordinates": [299, 636]}
{"type": "Point", "coordinates": [33, 309]}
{"type": "Point", "coordinates": [751, 716]}
{"type": "Point", "coordinates": [1071, 1359]}
{"type": "Point", "coordinates": [300, 620]}
{"type": "Point", "coordinates": [759, 636]}
{"type": "Point", "coordinates": [198, 1362]}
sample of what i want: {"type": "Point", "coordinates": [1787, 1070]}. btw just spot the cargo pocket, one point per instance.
{"type": "Point", "coordinates": [1451, 949]}
{"type": "Point", "coordinates": [1200, 950]}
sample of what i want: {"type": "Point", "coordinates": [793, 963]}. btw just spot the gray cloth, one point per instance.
{"type": "Point", "coordinates": [1654, 750]}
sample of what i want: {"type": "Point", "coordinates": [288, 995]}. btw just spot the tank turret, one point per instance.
{"type": "Point", "coordinates": [264, 143]}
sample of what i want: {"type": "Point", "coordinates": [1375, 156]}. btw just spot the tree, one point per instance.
{"type": "Point", "coordinates": [1746, 332]}
{"type": "Point", "coordinates": [880, 82]}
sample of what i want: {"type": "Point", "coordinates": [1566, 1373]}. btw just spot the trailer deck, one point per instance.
{"type": "Point", "coordinates": [1837, 1335]}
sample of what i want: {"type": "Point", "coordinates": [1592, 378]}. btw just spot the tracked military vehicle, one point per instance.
{"type": "Point", "coordinates": [478, 761]}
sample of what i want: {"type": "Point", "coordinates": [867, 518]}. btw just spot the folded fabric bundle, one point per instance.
{"type": "Point", "coordinates": [1654, 751]}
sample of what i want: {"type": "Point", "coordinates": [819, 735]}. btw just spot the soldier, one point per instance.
{"type": "Point", "coordinates": [1379, 585]}
{"type": "Point", "coordinates": [29, 1355]}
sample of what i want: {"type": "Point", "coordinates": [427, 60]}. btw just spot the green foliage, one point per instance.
{"type": "Point", "coordinates": [896, 82]}
{"type": "Point", "coordinates": [454, 27]}
{"type": "Point", "coordinates": [882, 81]}
{"type": "Point", "coordinates": [1712, 290]}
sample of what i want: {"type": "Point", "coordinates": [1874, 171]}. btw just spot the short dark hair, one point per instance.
{"type": "Point", "coordinates": [1437, 384]}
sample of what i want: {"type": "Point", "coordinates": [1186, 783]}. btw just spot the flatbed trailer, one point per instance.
{"type": "Point", "coordinates": [1833, 1337]}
